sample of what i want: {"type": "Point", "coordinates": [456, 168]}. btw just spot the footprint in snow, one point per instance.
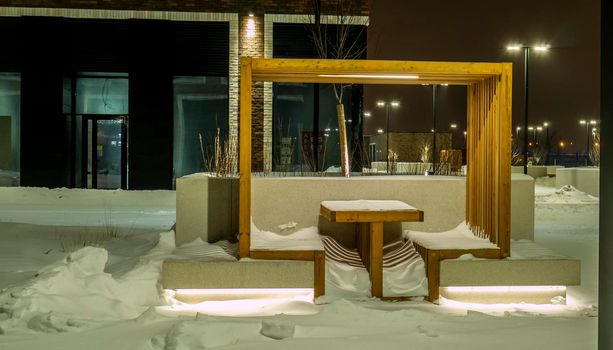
{"type": "Point", "coordinates": [427, 332]}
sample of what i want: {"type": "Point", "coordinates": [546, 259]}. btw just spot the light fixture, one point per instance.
{"type": "Point", "coordinates": [370, 76]}
{"type": "Point", "coordinates": [380, 103]}
{"type": "Point", "coordinates": [539, 128]}
{"type": "Point", "coordinates": [453, 126]}
{"type": "Point", "coordinates": [506, 294]}
{"type": "Point", "coordinates": [445, 84]}
{"type": "Point", "coordinates": [531, 128]}
{"type": "Point", "coordinates": [541, 48]}
{"type": "Point", "coordinates": [380, 131]}
{"type": "Point", "coordinates": [367, 114]}
{"type": "Point", "coordinates": [518, 128]}
{"type": "Point", "coordinates": [514, 47]}
{"type": "Point", "coordinates": [395, 103]}
{"type": "Point", "coordinates": [250, 14]}
{"type": "Point", "coordinates": [545, 124]}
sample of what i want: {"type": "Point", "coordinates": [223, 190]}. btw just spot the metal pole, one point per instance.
{"type": "Point", "coordinates": [434, 86]}
{"type": "Point", "coordinates": [526, 62]}
{"type": "Point", "coordinates": [587, 141]}
{"type": "Point", "coordinates": [387, 131]}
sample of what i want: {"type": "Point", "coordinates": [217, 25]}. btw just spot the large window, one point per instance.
{"type": "Point", "coordinates": [10, 111]}
{"type": "Point", "coordinates": [200, 116]}
{"type": "Point", "coordinates": [298, 110]}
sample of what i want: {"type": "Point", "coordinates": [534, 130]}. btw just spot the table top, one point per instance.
{"type": "Point", "coordinates": [370, 211]}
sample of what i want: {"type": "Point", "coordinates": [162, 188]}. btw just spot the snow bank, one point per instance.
{"type": "Point", "coordinates": [303, 239]}
{"type": "Point", "coordinates": [76, 292]}
{"type": "Point", "coordinates": [460, 237]}
{"type": "Point", "coordinates": [565, 195]}
{"type": "Point", "coordinates": [87, 207]}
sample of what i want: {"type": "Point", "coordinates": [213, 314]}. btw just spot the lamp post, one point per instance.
{"type": "Point", "coordinates": [587, 124]}
{"type": "Point", "coordinates": [526, 49]}
{"type": "Point", "coordinates": [547, 143]}
{"type": "Point", "coordinates": [387, 105]}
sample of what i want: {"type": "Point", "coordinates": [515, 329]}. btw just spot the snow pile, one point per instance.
{"type": "Point", "coordinates": [565, 195]}
{"type": "Point", "coordinates": [460, 237]}
{"type": "Point", "coordinates": [303, 239]}
{"type": "Point", "coordinates": [76, 292]}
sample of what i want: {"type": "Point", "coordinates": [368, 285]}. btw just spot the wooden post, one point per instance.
{"type": "Point", "coordinates": [244, 197]}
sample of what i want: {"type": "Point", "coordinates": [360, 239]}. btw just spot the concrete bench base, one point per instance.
{"type": "Point", "coordinates": [290, 269]}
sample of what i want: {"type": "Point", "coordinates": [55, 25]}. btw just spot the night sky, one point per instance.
{"type": "Point", "coordinates": [564, 82]}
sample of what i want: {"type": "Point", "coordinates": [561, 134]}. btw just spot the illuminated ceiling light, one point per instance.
{"type": "Point", "coordinates": [395, 103]}
{"type": "Point", "coordinates": [250, 14]}
{"type": "Point", "coordinates": [541, 48]}
{"type": "Point", "coordinates": [367, 114]}
{"type": "Point", "coordinates": [445, 84]}
{"type": "Point", "coordinates": [370, 76]}
{"type": "Point", "coordinates": [380, 103]}
{"type": "Point", "coordinates": [425, 84]}
{"type": "Point", "coordinates": [380, 131]}
{"type": "Point", "coordinates": [514, 47]}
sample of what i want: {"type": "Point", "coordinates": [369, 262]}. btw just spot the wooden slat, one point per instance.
{"type": "Point", "coordinates": [244, 203]}
{"type": "Point", "coordinates": [319, 262]}
{"type": "Point", "coordinates": [305, 255]}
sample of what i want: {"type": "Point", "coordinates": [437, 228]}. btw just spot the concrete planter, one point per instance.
{"type": "Point", "coordinates": [584, 179]}
{"type": "Point", "coordinates": [207, 207]}
{"type": "Point", "coordinates": [203, 208]}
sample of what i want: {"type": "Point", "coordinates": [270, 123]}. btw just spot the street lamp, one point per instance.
{"type": "Point", "coordinates": [517, 129]}
{"type": "Point", "coordinates": [547, 143]}
{"type": "Point", "coordinates": [538, 129]}
{"type": "Point", "coordinates": [434, 93]}
{"type": "Point", "coordinates": [387, 105]}
{"type": "Point", "coordinates": [526, 48]}
{"type": "Point", "coordinates": [587, 124]}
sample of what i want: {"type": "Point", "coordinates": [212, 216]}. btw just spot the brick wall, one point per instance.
{"type": "Point", "coordinates": [258, 7]}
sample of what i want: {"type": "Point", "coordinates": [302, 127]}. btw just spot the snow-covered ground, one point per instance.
{"type": "Point", "coordinates": [79, 270]}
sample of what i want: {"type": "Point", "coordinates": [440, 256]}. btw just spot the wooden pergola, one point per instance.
{"type": "Point", "coordinates": [488, 183]}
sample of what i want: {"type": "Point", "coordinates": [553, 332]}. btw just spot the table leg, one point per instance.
{"type": "Point", "coordinates": [362, 242]}
{"type": "Point", "coordinates": [375, 263]}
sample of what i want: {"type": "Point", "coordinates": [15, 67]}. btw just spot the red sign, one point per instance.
{"type": "Point", "coordinates": [308, 139]}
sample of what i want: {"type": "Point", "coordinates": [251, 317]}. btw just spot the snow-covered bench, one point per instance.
{"type": "Point", "coordinates": [437, 246]}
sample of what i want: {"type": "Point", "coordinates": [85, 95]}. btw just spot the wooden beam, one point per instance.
{"type": "Point", "coordinates": [244, 197]}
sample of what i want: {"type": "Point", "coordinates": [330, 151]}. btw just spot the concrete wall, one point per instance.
{"type": "Point", "coordinates": [522, 207]}
{"type": "Point", "coordinates": [278, 201]}
{"type": "Point", "coordinates": [207, 207]}
{"type": "Point", "coordinates": [584, 179]}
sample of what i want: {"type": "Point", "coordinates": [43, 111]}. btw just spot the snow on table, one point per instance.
{"type": "Point", "coordinates": [367, 205]}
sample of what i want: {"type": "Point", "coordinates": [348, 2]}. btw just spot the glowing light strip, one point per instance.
{"type": "Point", "coordinates": [238, 291]}
{"type": "Point", "coordinates": [500, 289]}
{"type": "Point", "coordinates": [369, 76]}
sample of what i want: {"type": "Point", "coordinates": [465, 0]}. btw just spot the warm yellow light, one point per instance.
{"type": "Point", "coordinates": [380, 131]}
{"type": "Point", "coordinates": [370, 76]}
{"type": "Point", "coordinates": [514, 47]}
{"type": "Point", "coordinates": [395, 103]}
{"type": "Point", "coordinates": [530, 128]}
{"type": "Point", "coordinates": [445, 84]}
{"type": "Point", "coordinates": [593, 122]}
{"type": "Point", "coordinates": [518, 128]}
{"type": "Point", "coordinates": [453, 126]}
{"type": "Point", "coordinates": [250, 14]}
{"type": "Point", "coordinates": [582, 122]}
{"type": "Point", "coordinates": [539, 128]}
{"type": "Point", "coordinates": [545, 124]}
{"type": "Point", "coordinates": [367, 114]}
{"type": "Point", "coordinates": [596, 144]}
{"type": "Point", "coordinates": [380, 103]}
{"type": "Point", "coordinates": [250, 28]}
{"type": "Point", "coordinates": [561, 144]}
{"type": "Point", "coordinates": [541, 48]}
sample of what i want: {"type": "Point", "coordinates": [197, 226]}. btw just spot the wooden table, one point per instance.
{"type": "Point", "coordinates": [370, 216]}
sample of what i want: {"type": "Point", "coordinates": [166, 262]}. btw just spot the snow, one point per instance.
{"type": "Point", "coordinates": [303, 239]}
{"type": "Point", "coordinates": [102, 292]}
{"type": "Point", "coordinates": [460, 237]}
{"type": "Point", "coordinates": [366, 205]}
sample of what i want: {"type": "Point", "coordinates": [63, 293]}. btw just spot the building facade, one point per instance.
{"type": "Point", "coordinates": [126, 94]}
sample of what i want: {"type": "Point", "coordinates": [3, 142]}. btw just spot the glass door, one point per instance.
{"type": "Point", "coordinates": [102, 151]}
